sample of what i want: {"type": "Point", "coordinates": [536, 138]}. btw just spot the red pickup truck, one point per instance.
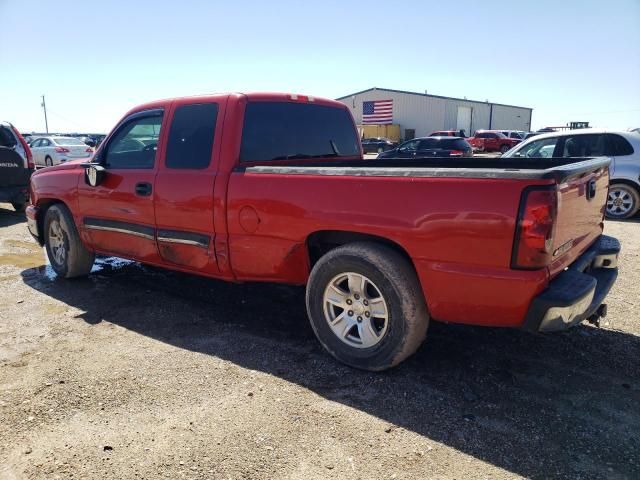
{"type": "Point", "coordinates": [492, 141]}
{"type": "Point", "coordinates": [274, 188]}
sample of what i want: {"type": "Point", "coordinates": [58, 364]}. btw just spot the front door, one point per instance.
{"type": "Point", "coordinates": [184, 186]}
{"type": "Point", "coordinates": [118, 215]}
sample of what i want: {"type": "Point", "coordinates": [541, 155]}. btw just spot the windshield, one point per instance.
{"type": "Point", "coordinates": [287, 130]}
{"type": "Point", "coordinates": [542, 148]}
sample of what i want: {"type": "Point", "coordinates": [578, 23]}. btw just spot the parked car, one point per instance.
{"type": "Point", "coordinates": [517, 134]}
{"type": "Point", "coordinates": [492, 141]}
{"type": "Point", "coordinates": [49, 151]}
{"type": "Point", "coordinates": [448, 133]}
{"type": "Point", "coordinates": [274, 187]}
{"type": "Point", "coordinates": [16, 167]}
{"type": "Point", "coordinates": [431, 147]}
{"type": "Point", "coordinates": [622, 147]}
{"type": "Point", "coordinates": [377, 145]}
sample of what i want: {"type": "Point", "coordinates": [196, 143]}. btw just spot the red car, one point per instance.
{"type": "Point", "coordinates": [274, 188]}
{"type": "Point", "coordinates": [492, 141]}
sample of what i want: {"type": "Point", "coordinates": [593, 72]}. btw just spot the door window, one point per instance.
{"type": "Point", "coordinates": [618, 146]}
{"type": "Point", "coordinates": [191, 136]}
{"type": "Point", "coordinates": [428, 143]}
{"type": "Point", "coordinates": [44, 142]}
{"type": "Point", "coordinates": [542, 148]}
{"type": "Point", "coordinates": [584, 146]}
{"type": "Point", "coordinates": [134, 145]}
{"type": "Point", "coordinates": [37, 143]}
{"type": "Point", "coordinates": [411, 146]}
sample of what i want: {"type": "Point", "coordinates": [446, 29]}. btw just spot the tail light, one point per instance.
{"type": "Point", "coordinates": [89, 150]}
{"type": "Point", "coordinates": [62, 150]}
{"type": "Point", "coordinates": [456, 153]}
{"type": "Point", "coordinates": [535, 228]}
{"type": "Point", "coordinates": [27, 149]}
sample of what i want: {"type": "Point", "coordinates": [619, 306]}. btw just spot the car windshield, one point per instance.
{"type": "Point", "coordinates": [70, 141]}
{"type": "Point", "coordinates": [542, 148]}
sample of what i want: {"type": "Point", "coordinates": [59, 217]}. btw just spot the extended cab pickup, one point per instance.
{"type": "Point", "coordinates": [274, 188]}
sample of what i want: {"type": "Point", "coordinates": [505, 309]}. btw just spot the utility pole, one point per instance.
{"type": "Point", "coordinates": [44, 106]}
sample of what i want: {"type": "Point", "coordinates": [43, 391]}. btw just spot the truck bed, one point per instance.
{"type": "Point", "coordinates": [557, 169]}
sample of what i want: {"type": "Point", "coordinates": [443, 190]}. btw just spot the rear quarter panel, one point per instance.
{"type": "Point", "coordinates": [458, 232]}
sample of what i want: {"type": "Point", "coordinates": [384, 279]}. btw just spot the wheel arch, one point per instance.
{"type": "Point", "coordinates": [322, 241]}
{"type": "Point", "coordinates": [43, 205]}
{"type": "Point", "coordinates": [626, 181]}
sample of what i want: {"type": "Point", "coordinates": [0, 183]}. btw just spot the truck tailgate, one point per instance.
{"type": "Point", "coordinates": [581, 205]}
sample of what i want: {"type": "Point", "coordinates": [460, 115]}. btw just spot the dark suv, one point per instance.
{"type": "Point", "coordinates": [377, 145]}
{"type": "Point", "coordinates": [16, 167]}
{"type": "Point", "coordinates": [431, 147]}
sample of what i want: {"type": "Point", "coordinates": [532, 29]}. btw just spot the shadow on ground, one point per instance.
{"type": "Point", "coordinates": [563, 405]}
{"type": "Point", "coordinates": [8, 217]}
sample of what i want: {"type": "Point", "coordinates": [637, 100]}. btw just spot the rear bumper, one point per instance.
{"type": "Point", "coordinates": [14, 194]}
{"type": "Point", "coordinates": [576, 293]}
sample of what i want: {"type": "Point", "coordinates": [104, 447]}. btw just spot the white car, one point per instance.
{"type": "Point", "coordinates": [49, 151]}
{"type": "Point", "coordinates": [517, 134]}
{"type": "Point", "coordinates": [622, 147]}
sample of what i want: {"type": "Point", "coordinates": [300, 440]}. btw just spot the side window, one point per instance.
{"type": "Point", "coordinates": [542, 148]}
{"type": "Point", "coordinates": [429, 143]}
{"type": "Point", "coordinates": [411, 146]}
{"type": "Point", "coordinates": [618, 146]}
{"type": "Point", "coordinates": [191, 136]}
{"type": "Point", "coordinates": [584, 146]}
{"type": "Point", "coordinates": [45, 142]}
{"type": "Point", "coordinates": [6, 138]}
{"type": "Point", "coordinates": [134, 145]}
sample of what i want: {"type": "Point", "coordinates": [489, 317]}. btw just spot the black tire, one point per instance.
{"type": "Point", "coordinates": [629, 198]}
{"type": "Point", "coordinates": [48, 162]}
{"type": "Point", "coordinates": [77, 260]}
{"type": "Point", "coordinates": [19, 206]}
{"type": "Point", "coordinates": [396, 281]}
{"type": "Point", "coordinates": [504, 149]}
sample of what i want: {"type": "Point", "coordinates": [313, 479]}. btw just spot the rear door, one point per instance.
{"type": "Point", "coordinates": [430, 147]}
{"type": "Point", "coordinates": [184, 186]}
{"type": "Point", "coordinates": [118, 215]}
{"type": "Point", "coordinates": [14, 170]}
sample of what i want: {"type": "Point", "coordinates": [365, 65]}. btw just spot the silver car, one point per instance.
{"type": "Point", "coordinates": [622, 147]}
{"type": "Point", "coordinates": [49, 151]}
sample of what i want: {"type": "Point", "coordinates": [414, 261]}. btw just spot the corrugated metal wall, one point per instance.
{"type": "Point", "coordinates": [425, 114]}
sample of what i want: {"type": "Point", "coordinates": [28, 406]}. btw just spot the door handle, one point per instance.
{"type": "Point", "coordinates": [143, 189]}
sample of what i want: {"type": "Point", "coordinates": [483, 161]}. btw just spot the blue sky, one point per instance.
{"type": "Point", "coordinates": [569, 60]}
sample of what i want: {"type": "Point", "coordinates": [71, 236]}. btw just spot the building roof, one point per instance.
{"type": "Point", "coordinates": [429, 95]}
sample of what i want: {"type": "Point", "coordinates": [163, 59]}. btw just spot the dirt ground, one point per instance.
{"type": "Point", "coordinates": [140, 373]}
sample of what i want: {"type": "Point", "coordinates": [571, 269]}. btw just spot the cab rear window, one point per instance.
{"type": "Point", "coordinates": [288, 130]}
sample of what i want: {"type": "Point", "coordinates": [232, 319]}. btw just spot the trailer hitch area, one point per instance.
{"type": "Point", "coordinates": [601, 312]}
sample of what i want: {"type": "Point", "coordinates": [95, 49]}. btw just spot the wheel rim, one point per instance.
{"type": "Point", "coordinates": [355, 310]}
{"type": "Point", "coordinates": [619, 202]}
{"type": "Point", "coordinates": [57, 242]}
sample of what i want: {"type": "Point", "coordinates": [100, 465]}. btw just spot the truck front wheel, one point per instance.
{"type": "Point", "coordinates": [366, 306]}
{"type": "Point", "coordinates": [67, 255]}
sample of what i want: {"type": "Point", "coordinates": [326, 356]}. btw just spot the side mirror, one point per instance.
{"type": "Point", "coordinates": [94, 174]}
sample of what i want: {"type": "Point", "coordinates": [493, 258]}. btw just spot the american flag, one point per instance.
{"type": "Point", "coordinates": [377, 111]}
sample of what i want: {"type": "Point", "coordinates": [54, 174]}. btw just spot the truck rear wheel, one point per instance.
{"type": "Point", "coordinates": [366, 306]}
{"type": "Point", "coordinates": [68, 256]}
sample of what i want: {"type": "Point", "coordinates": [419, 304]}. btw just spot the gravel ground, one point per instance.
{"type": "Point", "coordinates": [140, 373]}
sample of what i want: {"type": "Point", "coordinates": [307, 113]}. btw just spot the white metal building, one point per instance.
{"type": "Point", "coordinates": [419, 114]}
